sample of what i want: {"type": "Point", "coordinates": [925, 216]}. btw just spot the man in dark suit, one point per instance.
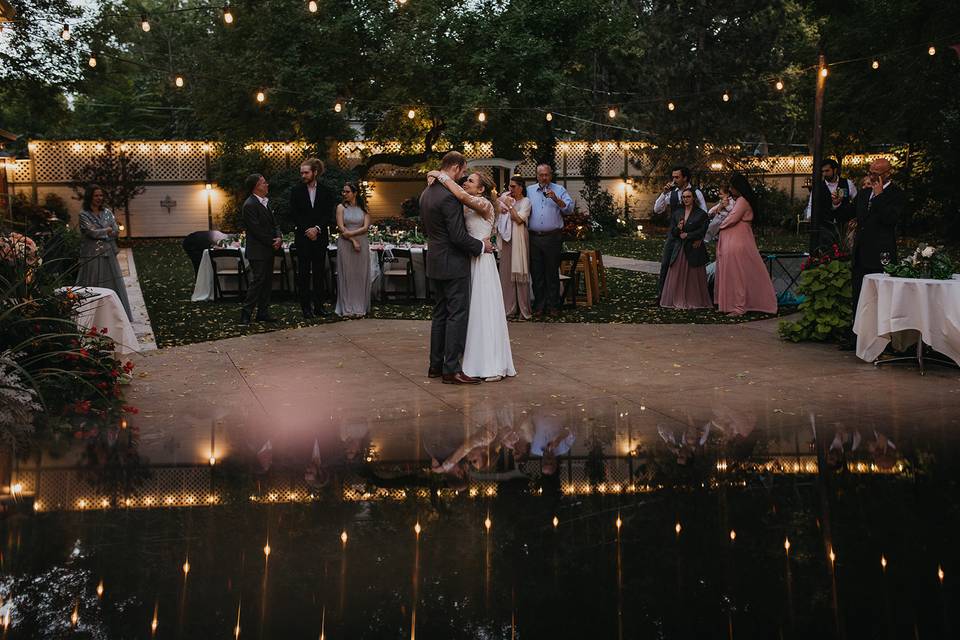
{"type": "Point", "coordinates": [263, 238]}
{"type": "Point", "coordinates": [836, 198]}
{"type": "Point", "coordinates": [312, 206]}
{"type": "Point", "coordinates": [875, 244]}
{"type": "Point", "coordinates": [448, 268]}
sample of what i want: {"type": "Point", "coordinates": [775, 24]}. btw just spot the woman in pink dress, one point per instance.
{"type": "Point", "coordinates": [743, 283]}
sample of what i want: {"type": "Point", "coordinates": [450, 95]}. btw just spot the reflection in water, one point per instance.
{"type": "Point", "coordinates": [768, 525]}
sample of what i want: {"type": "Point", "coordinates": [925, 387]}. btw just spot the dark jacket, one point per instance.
{"type": "Point", "coordinates": [877, 226]}
{"type": "Point", "coordinates": [307, 216]}
{"type": "Point", "coordinates": [261, 229]}
{"type": "Point", "coordinates": [449, 244]}
{"type": "Point", "coordinates": [696, 229]}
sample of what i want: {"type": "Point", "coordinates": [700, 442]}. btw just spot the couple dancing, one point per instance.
{"type": "Point", "coordinates": [468, 315]}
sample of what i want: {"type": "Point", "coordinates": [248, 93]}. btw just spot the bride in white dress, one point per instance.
{"type": "Point", "coordinates": [487, 353]}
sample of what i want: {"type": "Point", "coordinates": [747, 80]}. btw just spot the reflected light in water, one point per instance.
{"type": "Point", "coordinates": [343, 537]}
{"type": "Point", "coordinates": [833, 556]}
{"type": "Point", "coordinates": [940, 574]}
{"type": "Point", "coordinates": [556, 522]}
{"type": "Point", "coordinates": [416, 528]}
{"type": "Point", "coordinates": [266, 549]}
{"type": "Point", "coordinates": [733, 535]}
{"type": "Point", "coordinates": [678, 528]}
{"type": "Point", "coordinates": [487, 523]}
{"type": "Point", "coordinates": [75, 615]}
{"type": "Point", "coordinates": [154, 622]}
{"type": "Point", "coordinates": [186, 567]}
{"type": "Point", "coordinates": [786, 545]}
{"type": "Point", "coordinates": [619, 523]}
{"type": "Point", "coordinates": [100, 589]}
{"type": "Point", "coordinates": [883, 562]}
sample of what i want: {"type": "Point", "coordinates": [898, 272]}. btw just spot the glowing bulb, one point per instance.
{"type": "Point", "coordinates": [875, 64]}
{"type": "Point", "coordinates": [549, 116]}
{"type": "Point", "coordinates": [779, 85]}
{"type": "Point", "coordinates": [556, 522]}
{"type": "Point", "coordinates": [678, 528]}
{"type": "Point", "coordinates": [16, 488]}
{"type": "Point", "coordinates": [74, 616]}
{"type": "Point", "coordinates": [227, 15]}
{"type": "Point", "coordinates": [786, 545]}
{"type": "Point", "coordinates": [261, 96]}
{"type": "Point", "coordinates": [213, 459]}
{"type": "Point", "coordinates": [338, 107]}
{"type": "Point", "coordinates": [266, 549]}
{"type": "Point", "coordinates": [343, 537]}
{"type": "Point", "coordinates": [482, 117]}
{"type": "Point", "coordinates": [236, 631]}
{"type": "Point", "coordinates": [186, 567]}
{"type": "Point", "coordinates": [178, 81]}
{"type": "Point", "coordinates": [65, 34]}
{"type": "Point", "coordinates": [726, 97]}
{"type": "Point", "coordinates": [487, 523]}
{"type": "Point", "coordinates": [100, 589]}
{"type": "Point", "coordinates": [671, 106]}
{"type": "Point", "coordinates": [832, 555]}
{"type": "Point", "coordinates": [940, 574]}
{"type": "Point", "coordinates": [883, 562]}
{"type": "Point", "coordinates": [824, 72]}
{"type": "Point", "coordinates": [733, 535]}
{"type": "Point", "coordinates": [92, 62]}
{"type": "Point", "coordinates": [619, 523]}
{"type": "Point", "coordinates": [144, 24]}
{"type": "Point", "coordinates": [411, 114]}
{"type": "Point", "coordinates": [612, 113]}
{"type": "Point", "coordinates": [209, 187]}
{"type": "Point", "coordinates": [417, 528]}
{"type": "Point", "coordinates": [312, 6]}
{"type": "Point", "coordinates": [932, 50]}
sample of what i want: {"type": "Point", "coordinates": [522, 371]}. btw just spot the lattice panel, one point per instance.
{"type": "Point", "coordinates": [569, 157]}
{"type": "Point", "coordinates": [18, 170]}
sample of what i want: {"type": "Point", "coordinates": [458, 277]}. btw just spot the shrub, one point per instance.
{"type": "Point", "coordinates": [827, 312]}
{"type": "Point", "coordinates": [602, 211]}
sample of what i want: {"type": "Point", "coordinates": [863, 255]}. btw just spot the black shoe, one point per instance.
{"type": "Point", "coordinates": [434, 373]}
{"type": "Point", "coordinates": [244, 318]}
{"type": "Point", "coordinates": [266, 319]}
{"type": "Point", "coordinates": [320, 311]}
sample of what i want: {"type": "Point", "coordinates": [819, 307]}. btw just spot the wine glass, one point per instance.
{"type": "Point", "coordinates": [885, 258]}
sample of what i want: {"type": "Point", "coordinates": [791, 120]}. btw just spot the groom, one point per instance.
{"type": "Point", "coordinates": [448, 268]}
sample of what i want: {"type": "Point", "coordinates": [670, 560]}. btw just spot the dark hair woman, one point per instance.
{"type": "Point", "coordinates": [514, 248]}
{"type": "Point", "coordinates": [353, 254]}
{"type": "Point", "coordinates": [98, 249]}
{"type": "Point", "coordinates": [686, 284]}
{"type": "Point", "coordinates": [743, 283]}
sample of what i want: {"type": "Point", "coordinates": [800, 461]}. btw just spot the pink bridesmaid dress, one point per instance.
{"type": "Point", "coordinates": [743, 283]}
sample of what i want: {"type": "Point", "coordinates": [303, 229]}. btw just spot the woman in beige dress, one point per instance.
{"type": "Point", "coordinates": [513, 246]}
{"type": "Point", "coordinates": [353, 255]}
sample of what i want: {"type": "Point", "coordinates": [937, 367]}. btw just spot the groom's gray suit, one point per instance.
{"type": "Point", "coordinates": [448, 267]}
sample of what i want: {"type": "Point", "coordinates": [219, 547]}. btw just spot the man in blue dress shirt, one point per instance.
{"type": "Point", "coordinates": [549, 202]}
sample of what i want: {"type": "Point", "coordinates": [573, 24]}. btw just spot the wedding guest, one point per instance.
{"type": "Point", "coordinates": [98, 249]}
{"type": "Point", "coordinates": [685, 286]}
{"type": "Point", "coordinates": [514, 249]}
{"type": "Point", "coordinates": [353, 254]}
{"type": "Point", "coordinates": [312, 206]}
{"type": "Point", "coordinates": [550, 440]}
{"type": "Point", "coordinates": [718, 213]}
{"type": "Point", "coordinates": [743, 283]}
{"type": "Point", "coordinates": [263, 240]}
{"type": "Point", "coordinates": [875, 244]}
{"type": "Point", "coordinates": [667, 202]}
{"type": "Point", "coordinates": [549, 203]}
{"type": "Point", "coordinates": [836, 207]}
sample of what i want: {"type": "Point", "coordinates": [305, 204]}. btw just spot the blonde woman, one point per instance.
{"type": "Point", "coordinates": [487, 353]}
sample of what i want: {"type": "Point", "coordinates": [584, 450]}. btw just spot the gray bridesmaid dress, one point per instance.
{"type": "Point", "coordinates": [353, 268]}
{"type": "Point", "coordinates": [98, 255]}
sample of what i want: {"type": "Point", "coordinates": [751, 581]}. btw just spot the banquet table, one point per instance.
{"type": "Point", "coordinates": [101, 308]}
{"type": "Point", "coordinates": [203, 286]}
{"type": "Point", "coordinates": [907, 311]}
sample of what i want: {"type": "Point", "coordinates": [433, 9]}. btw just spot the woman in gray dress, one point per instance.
{"type": "Point", "coordinates": [98, 249]}
{"type": "Point", "coordinates": [353, 255]}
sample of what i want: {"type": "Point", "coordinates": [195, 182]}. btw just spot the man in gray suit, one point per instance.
{"type": "Point", "coordinates": [263, 238]}
{"type": "Point", "coordinates": [448, 268]}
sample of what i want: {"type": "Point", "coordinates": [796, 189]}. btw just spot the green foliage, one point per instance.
{"type": "Point", "coordinates": [777, 210]}
{"type": "Point", "coordinates": [827, 312]}
{"type": "Point", "coordinates": [121, 178]}
{"type": "Point", "coordinates": [603, 213]}
{"type": "Point", "coordinates": [926, 261]}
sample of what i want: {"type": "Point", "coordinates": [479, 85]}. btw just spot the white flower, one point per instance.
{"type": "Point", "coordinates": [928, 252]}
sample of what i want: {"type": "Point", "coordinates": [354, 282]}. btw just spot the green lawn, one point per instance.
{"type": "Point", "coordinates": [650, 248]}
{"type": "Point", "coordinates": [166, 278]}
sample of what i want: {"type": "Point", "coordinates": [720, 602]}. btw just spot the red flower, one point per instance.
{"type": "Point", "coordinates": [104, 330]}
{"type": "Point", "coordinates": [130, 409]}
{"type": "Point", "coordinates": [84, 353]}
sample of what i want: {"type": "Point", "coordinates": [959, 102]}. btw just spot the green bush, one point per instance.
{"type": "Point", "coordinates": [827, 312]}
{"type": "Point", "coordinates": [604, 215]}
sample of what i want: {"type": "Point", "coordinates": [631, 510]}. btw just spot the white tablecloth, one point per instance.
{"type": "Point", "coordinates": [203, 287]}
{"type": "Point", "coordinates": [928, 309]}
{"type": "Point", "coordinates": [101, 308]}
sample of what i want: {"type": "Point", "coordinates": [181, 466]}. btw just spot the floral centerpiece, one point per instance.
{"type": "Point", "coordinates": [20, 251]}
{"type": "Point", "coordinates": [926, 261]}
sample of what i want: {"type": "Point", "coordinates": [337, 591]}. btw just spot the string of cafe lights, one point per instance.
{"type": "Point", "coordinates": [615, 109]}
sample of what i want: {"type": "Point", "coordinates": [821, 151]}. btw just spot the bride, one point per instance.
{"type": "Point", "coordinates": [487, 353]}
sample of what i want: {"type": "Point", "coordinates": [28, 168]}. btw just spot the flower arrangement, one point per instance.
{"type": "Point", "coordinates": [926, 261]}
{"type": "Point", "coordinates": [18, 250]}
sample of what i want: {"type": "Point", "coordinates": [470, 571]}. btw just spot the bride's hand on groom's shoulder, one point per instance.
{"type": "Point", "coordinates": [432, 177]}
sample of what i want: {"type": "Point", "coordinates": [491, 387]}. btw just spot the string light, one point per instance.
{"type": "Point", "coordinates": [833, 556]}
{"type": "Point", "coordinates": [612, 113]}
{"type": "Point", "coordinates": [556, 522]}
{"type": "Point", "coordinates": [154, 623]}
{"type": "Point", "coordinates": [940, 574]}
{"type": "Point", "coordinates": [100, 589]}
{"type": "Point", "coordinates": [779, 85]}
{"type": "Point", "coordinates": [338, 107]}
{"type": "Point", "coordinates": [186, 567]}
{"type": "Point", "coordinates": [932, 50]}
{"type": "Point", "coordinates": [671, 106]}
{"type": "Point", "coordinates": [824, 72]}
{"type": "Point", "coordinates": [417, 528]}
{"type": "Point", "coordinates": [733, 535]}
{"type": "Point", "coordinates": [266, 549]}
{"type": "Point", "coordinates": [883, 562]}
{"type": "Point", "coordinates": [144, 23]}
{"type": "Point", "coordinates": [65, 33]}
{"type": "Point", "coordinates": [261, 97]}
{"type": "Point", "coordinates": [678, 528]}
{"type": "Point", "coordinates": [178, 81]}
{"type": "Point", "coordinates": [786, 545]}
{"type": "Point", "coordinates": [487, 523]}
{"type": "Point", "coordinates": [482, 117]}
{"type": "Point", "coordinates": [411, 114]}
{"type": "Point", "coordinates": [343, 537]}
{"type": "Point", "coordinates": [549, 116]}
{"type": "Point", "coordinates": [312, 6]}
{"type": "Point", "coordinates": [619, 523]}
{"type": "Point", "coordinates": [92, 61]}
{"type": "Point", "coordinates": [875, 64]}
{"type": "Point", "coordinates": [726, 97]}
{"type": "Point", "coordinates": [227, 14]}
{"type": "Point", "coordinates": [75, 615]}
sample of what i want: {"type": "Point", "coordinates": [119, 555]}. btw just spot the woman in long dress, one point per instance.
{"type": "Point", "coordinates": [743, 283]}
{"type": "Point", "coordinates": [685, 286]}
{"type": "Point", "coordinates": [353, 255]}
{"type": "Point", "coordinates": [514, 249]}
{"type": "Point", "coordinates": [487, 353]}
{"type": "Point", "coordinates": [98, 249]}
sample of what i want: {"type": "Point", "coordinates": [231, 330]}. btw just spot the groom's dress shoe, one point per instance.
{"type": "Point", "coordinates": [459, 378]}
{"type": "Point", "coordinates": [244, 318]}
{"type": "Point", "coordinates": [434, 373]}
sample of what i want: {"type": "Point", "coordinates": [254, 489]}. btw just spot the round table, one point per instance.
{"type": "Point", "coordinates": [101, 308]}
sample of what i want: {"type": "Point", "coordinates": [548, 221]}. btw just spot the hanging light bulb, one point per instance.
{"type": "Point", "coordinates": [619, 523]}
{"type": "Point", "coordinates": [417, 528]}
{"type": "Point", "coordinates": [932, 50]}
{"type": "Point", "coordinates": [338, 107]}
{"type": "Point", "coordinates": [556, 521]}
{"type": "Point", "coordinates": [786, 545]}
{"type": "Point", "coordinates": [612, 113]}
{"type": "Point", "coordinates": [883, 562]}
{"type": "Point", "coordinates": [343, 537]}
{"type": "Point", "coordinates": [779, 85]}
{"type": "Point", "coordinates": [671, 106]}
{"type": "Point", "coordinates": [65, 33]}
{"type": "Point", "coordinates": [733, 535]}
{"type": "Point", "coordinates": [312, 6]}
{"type": "Point", "coordinates": [92, 61]}
{"type": "Point", "coordinates": [824, 72]}
{"type": "Point", "coordinates": [178, 81]}
{"type": "Point", "coordinates": [261, 97]}
{"type": "Point", "coordinates": [227, 14]}
{"type": "Point", "coordinates": [186, 566]}
{"type": "Point", "coordinates": [411, 114]}
{"type": "Point", "coordinates": [267, 549]}
{"type": "Point", "coordinates": [100, 589]}
{"type": "Point", "coordinates": [144, 23]}
{"type": "Point", "coordinates": [487, 523]}
{"type": "Point", "coordinates": [549, 116]}
{"type": "Point", "coordinates": [678, 528]}
{"type": "Point", "coordinates": [875, 64]}
{"type": "Point", "coordinates": [726, 97]}
{"type": "Point", "coordinates": [482, 117]}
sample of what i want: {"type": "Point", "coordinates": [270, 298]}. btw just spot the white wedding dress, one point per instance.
{"type": "Point", "coordinates": [487, 352]}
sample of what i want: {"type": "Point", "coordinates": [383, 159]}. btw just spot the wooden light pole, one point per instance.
{"type": "Point", "coordinates": [817, 185]}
